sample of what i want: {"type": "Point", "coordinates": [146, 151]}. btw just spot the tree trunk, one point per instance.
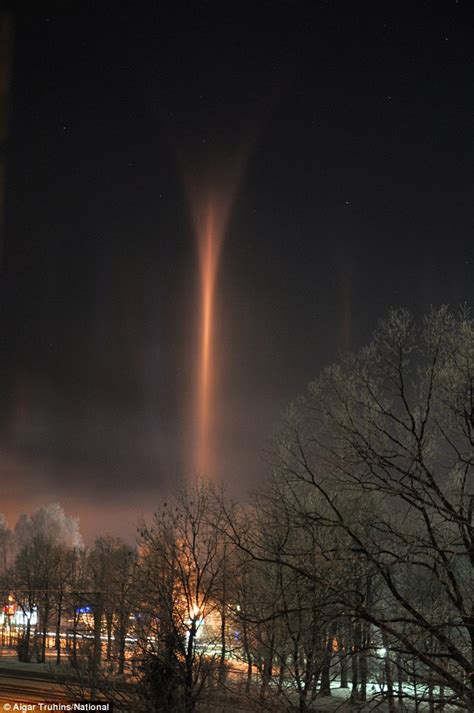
{"type": "Point", "coordinates": [44, 631]}
{"type": "Point", "coordinates": [109, 620]}
{"type": "Point", "coordinates": [343, 669]}
{"type": "Point", "coordinates": [248, 656]}
{"type": "Point", "coordinates": [441, 699]}
{"type": "Point", "coordinates": [303, 706]}
{"type": "Point", "coordinates": [121, 648]}
{"type": "Point", "coordinates": [388, 674]}
{"type": "Point", "coordinates": [355, 659]}
{"type": "Point", "coordinates": [364, 639]}
{"type": "Point", "coordinates": [431, 703]}
{"type": "Point", "coordinates": [415, 686]}
{"type": "Point", "coordinates": [58, 630]}
{"type": "Point", "coordinates": [363, 675]}
{"type": "Point", "coordinates": [400, 679]}
{"type": "Point", "coordinates": [267, 668]}
{"type": "Point", "coordinates": [189, 700]}
{"type": "Point", "coordinates": [97, 650]}
{"type": "Point", "coordinates": [281, 675]}
{"type": "Point", "coordinates": [342, 648]}
{"type": "Point", "coordinates": [24, 644]}
{"type": "Point", "coordinates": [222, 664]}
{"type": "Point", "coordinates": [248, 682]}
{"type": "Point", "coordinates": [325, 689]}
{"type": "Point", "coordinates": [74, 636]}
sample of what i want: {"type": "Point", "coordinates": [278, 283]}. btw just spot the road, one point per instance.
{"type": "Point", "coordinates": [26, 689]}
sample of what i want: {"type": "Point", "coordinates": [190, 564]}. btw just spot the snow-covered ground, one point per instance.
{"type": "Point", "coordinates": [340, 700]}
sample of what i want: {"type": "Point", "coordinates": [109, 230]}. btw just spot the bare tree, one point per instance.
{"type": "Point", "coordinates": [295, 569]}
{"type": "Point", "coordinates": [393, 428]}
{"type": "Point", "coordinates": [37, 577]}
{"type": "Point", "coordinates": [182, 570]}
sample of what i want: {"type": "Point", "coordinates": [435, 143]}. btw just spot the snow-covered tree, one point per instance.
{"type": "Point", "coordinates": [393, 427]}
{"type": "Point", "coordinates": [43, 543]}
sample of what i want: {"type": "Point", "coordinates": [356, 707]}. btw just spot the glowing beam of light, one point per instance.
{"type": "Point", "coordinates": [209, 244]}
{"type": "Point", "coordinates": [211, 204]}
{"type": "Point", "coordinates": [211, 182]}
{"type": "Point", "coordinates": [211, 186]}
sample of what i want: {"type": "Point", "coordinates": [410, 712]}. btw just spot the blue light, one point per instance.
{"type": "Point", "coordinates": [84, 610]}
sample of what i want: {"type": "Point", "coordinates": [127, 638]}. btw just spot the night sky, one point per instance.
{"type": "Point", "coordinates": [353, 128]}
